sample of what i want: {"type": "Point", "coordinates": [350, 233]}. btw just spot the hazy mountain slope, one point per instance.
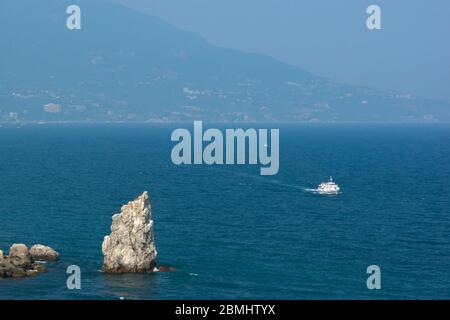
{"type": "Point", "coordinates": [126, 66]}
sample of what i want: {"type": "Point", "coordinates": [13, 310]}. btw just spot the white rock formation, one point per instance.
{"type": "Point", "coordinates": [43, 253]}
{"type": "Point", "coordinates": [131, 246]}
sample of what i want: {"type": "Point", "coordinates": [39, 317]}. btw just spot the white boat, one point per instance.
{"type": "Point", "coordinates": [328, 187]}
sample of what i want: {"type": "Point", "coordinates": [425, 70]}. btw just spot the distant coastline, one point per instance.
{"type": "Point", "coordinates": [31, 122]}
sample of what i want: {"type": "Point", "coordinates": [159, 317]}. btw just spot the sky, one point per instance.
{"type": "Point", "coordinates": [410, 54]}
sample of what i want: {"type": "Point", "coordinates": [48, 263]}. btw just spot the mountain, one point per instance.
{"type": "Point", "coordinates": [127, 66]}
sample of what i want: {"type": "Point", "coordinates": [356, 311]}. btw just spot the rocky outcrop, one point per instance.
{"type": "Point", "coordinates": [165, 269]}
{"type": "Point", "coordinates": [131, 246]}
{"type": "Point", "coordinates": [20, 262]}
{"type": "Point", "coordinates": [43, 253]}
{"type": "Point", "coordinates": [19, 256]}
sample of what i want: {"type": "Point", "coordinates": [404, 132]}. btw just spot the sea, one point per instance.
{"type": "Point", "coordinates": [229, 232]}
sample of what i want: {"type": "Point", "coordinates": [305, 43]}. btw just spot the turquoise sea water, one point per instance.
{"type": "Point", "coordinates": [230, 232]}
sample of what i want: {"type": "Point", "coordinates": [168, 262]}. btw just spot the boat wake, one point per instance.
{"type": "Point", "coordinates": [263, 180]}
{"type": "Point", "coordinates": [327, 188]}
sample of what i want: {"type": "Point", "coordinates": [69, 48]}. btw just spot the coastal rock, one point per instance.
{"type": "Point", "coordinates": [15, 272]}
{"type": "Point", "coordinates": [43, 253]}
{"type": "Point", "coordinates": [131, 246]}
{"type": "Point", "coordinates": [20, 262]}
{"type": "Point", "coordinates": [6, 268]}
{"type": "Point", "coordinates": [19, 256]}
{"type": "Point", "coordinates": [17, 263]}
{"type": "Point", "coordinates": [165, 269]}
{"type": "Point", "coordinates": [39, 268]}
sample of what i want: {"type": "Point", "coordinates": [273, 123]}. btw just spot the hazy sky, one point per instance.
{"type": "Point", "coordinates": [330, 38]}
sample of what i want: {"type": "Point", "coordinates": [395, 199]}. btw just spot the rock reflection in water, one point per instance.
{"type": "Point", "coordinates": [130, 285]}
